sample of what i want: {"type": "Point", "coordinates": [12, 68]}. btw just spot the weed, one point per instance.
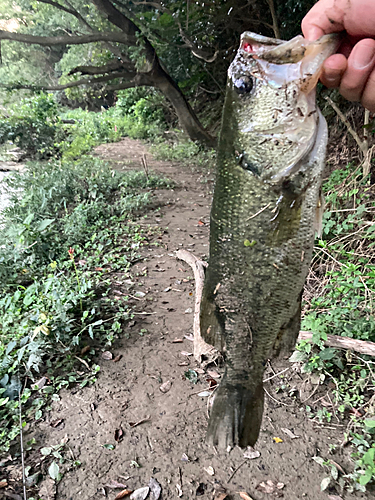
{"type": "Point", "coordinates": [63, 242]}
{"type": "Point", "coordinates": [339, 300]}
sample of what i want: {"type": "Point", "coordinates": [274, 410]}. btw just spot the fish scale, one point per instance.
{"type": "Point", "coordinates": [267, 190]}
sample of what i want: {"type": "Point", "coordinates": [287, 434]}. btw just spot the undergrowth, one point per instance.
{"type": "Point", "coordinates": [339, 300]}
{"type": "Point", "coordinates": [70, 231]}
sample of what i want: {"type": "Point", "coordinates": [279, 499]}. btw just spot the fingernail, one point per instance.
{"type": "Point", "coordinates": [363, 56]}
{"type": "Point", "coordinates": [313, 33]}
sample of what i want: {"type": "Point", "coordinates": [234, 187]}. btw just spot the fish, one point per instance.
{"type": "Point", "coordinates": [267, 197]}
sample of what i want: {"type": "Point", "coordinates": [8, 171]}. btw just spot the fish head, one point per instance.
{"type": "Point", "coordinates": [272, 86]}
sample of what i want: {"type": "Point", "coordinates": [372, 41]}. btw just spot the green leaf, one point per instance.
{"type": "Point", "coordinates": [318, 460]}
{"type": "Point", "coordinates": [297, 357]}
{"type": "Point", "coordinates": [327, 353]}
{"type": "Point", "coordinates": [28, 219]}
{"type": "Point", "coordinates": [44, 223]}
{"type": "Point", "coordinates": [109, 446]}
{"type": "Point", "coordinates": [46, 451]}
{"type": "Point", "coordinates": [334, 472]}
{"type": "Point", "coordinates": [325, 483]}
{"type": "Point", "coordinates": [369, 423]}
{"type": "Point", "coordinates": [248, 243]}
{"type": "Point", "coordinates": [10, 346]}
{"type": "Point", "coordinates": [366, 478]}
{"type": "Point", "coordinates": [38, 414]}
{"type": "Point", "coordinates": [53, 471]}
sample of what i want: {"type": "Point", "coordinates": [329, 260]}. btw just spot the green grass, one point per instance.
{"type": "Point", "coordinates": [64, 240]}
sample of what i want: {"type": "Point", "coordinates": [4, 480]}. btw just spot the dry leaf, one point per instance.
{"type": "Point", "coordinates": [117, 358]}
{"type": "Point", "coordinates": [213, 373]}
{"type": "Point", "coordinates": [210, 470]}
{"type": "Point", "coordinates": [179, 490]}
{"type": "Point", "coordinates": [277, 440]}
{"type": "Point", "coordinates": [119, 434]}
{"type": "Point", "coordinates": [166, 386]}
{"type": "Point", "coordinates": [244, 495]}
{"type": "Point", "coordinates": [289, 433]}
{"type": "Point", "coordinates": [47, 491]}
{"type": "Point", "coordinates": [146, 419]}
{"type": "Point", "coordinates": [55, 423]}
{"type": "Point", "coordinates": [107, 355]}
{"type": "Point", "coordinates": [4, 483]}
{"type": "Point", "coordinates": [269, 486]}
{"type": "Point", "coordinates": [184, 353]}
{"type": "Point", "coordinates": [122, 494]}
{"type": "Point", "coordinates": [200, 371]}
{"type": "Point", "coordinates": [221, 496]}
{"type": "Point", "coordinates": [204, 394]}
{"type": "Point", "coordinates": [189, 337]}
{"type": "Point", "coordinates": [334, 497]}
{"type": "Point", "coordinates": [140, 493]}
{"type": "Point", "coordinates": [5, 460]}
{"type": "Point", "coordinates": [41, 383]}
{"type": "Point", "coordinates": [177, 341]}
{"type": "Point", "coordinates": [183, 363]}
{"type": "Point", "coordinates": [85, 349]}
{"type": "Point", "coordinates": [115, 485]}
{"type": "Point", "coordinates": [251, 453]}
{"type": "Point", "coordinates": [155, 489]}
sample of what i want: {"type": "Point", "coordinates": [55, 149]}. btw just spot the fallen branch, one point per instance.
{"type": "Point", "coordinates": [362, 346]}
{"type": "Point", "coordinates": [203, 352]}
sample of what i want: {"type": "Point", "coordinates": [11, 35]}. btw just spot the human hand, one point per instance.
{"type": "Point", "coordinates": [352, 69]}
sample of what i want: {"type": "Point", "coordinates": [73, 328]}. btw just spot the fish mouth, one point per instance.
{"type": "Point", "coordinates": [296, 59]}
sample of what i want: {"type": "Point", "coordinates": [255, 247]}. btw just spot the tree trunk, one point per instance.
{"type": "Point", "coordinates": [159, 78]}
{"type": "Point", "coordinates": [187, 118]}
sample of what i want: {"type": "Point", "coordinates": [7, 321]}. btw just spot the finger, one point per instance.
{"type": "Point", "coordinates": [368, 96]}
{"type": "Point", "coordinates": [361, 63]}
{"type": "Point", "coordinates": [327, 16]}
{"type": "Point", "coordinates": [333, 70]}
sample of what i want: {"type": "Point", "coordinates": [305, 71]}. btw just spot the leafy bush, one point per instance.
{"type": "Point", "coordinates": [339, 295]}
{"type": "Point", "coordinates": [32, 125]}
{"type": "Point", "coordinates": [60, 242]}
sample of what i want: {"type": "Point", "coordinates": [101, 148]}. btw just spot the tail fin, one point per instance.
{"type": "Point", "coordinates": [236, 415]}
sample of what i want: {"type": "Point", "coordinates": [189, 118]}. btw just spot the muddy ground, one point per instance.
{"type": "Point", "coordinates": [169, 445]}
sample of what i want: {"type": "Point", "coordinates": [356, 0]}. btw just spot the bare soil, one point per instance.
{"type": "Point", "coordinates": [169, 445]}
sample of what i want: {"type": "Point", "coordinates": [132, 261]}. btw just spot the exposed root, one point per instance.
{"type": "Point", "coordinates": [204, 353]}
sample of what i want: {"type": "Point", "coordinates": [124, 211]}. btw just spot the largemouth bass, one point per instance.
{"type": "Point", "coordinates": [270, 163]}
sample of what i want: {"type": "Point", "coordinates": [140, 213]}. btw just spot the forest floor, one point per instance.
{"type": "Point", "coordinates": [168, 444]}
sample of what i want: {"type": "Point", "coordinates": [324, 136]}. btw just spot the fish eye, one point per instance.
{"type": "Point", "coordinates": [243, 85]}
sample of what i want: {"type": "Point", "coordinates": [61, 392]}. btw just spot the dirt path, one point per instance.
{"type": "Point", "coordinates": [169, 445]}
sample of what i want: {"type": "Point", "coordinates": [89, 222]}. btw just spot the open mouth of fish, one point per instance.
{"type": "Point", "coordinates": [274, 84]}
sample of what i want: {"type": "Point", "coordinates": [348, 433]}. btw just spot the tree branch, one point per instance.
{"type": "Point", "coordinates": [97, 70]}
{"type": "Point", "coordinates": [64, 40]}
{"type": "Point", "coordinates": [76, 83]}
{"type": "Point", "coordinates": [59, 6]}
{"type": "Point", "coordinates": [206, 55]}
{"type": "Point", "coordinates": [275, 25]}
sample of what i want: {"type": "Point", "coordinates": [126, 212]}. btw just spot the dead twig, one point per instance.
{"type": "Point", "coordinates": [362, 144]}
{"type": "Point", "coordinates": [144, 165]}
